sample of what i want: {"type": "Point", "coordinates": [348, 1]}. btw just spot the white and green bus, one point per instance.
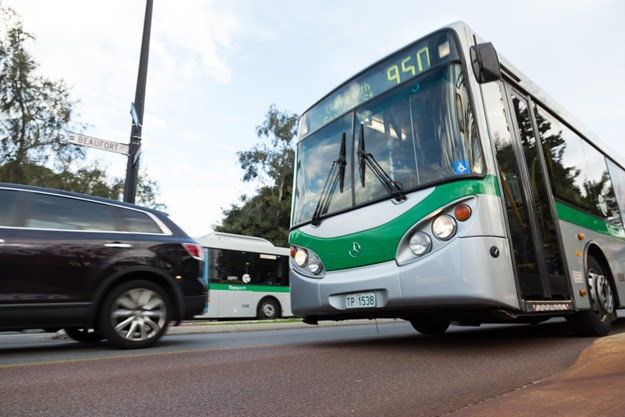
{"type": "Point", "coordinates": [441, 185]}
{"type": "Point", "coordinates": [248, 277]}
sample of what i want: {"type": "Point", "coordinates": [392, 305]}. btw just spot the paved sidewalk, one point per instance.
{"type": "Point", "coordinates": [593, 386]}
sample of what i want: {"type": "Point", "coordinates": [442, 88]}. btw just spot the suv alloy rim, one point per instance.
{"type": "Point", "coordinates": [139, 314]}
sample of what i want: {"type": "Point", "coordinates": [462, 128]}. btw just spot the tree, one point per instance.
{"type": "Point", "coordinates": [261, 215]}
{"type": "Point", "coordinates": [34, 110]}
{"type": "Point", "coordinates": [267, 214]}
{"type": "Point", "coordinates": [34, 113]}
{"type": "Point", "coordinates": [272, 163]}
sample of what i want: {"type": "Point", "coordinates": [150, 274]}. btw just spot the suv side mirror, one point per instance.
{"type": "Point", "coordinates": [485, 63]}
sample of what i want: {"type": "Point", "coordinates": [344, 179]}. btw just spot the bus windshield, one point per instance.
{"type": "Point", "coordinates": [419, 133]}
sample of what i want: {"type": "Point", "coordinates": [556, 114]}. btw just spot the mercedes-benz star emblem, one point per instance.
{"type": "Point", "coordinates": [354, 251]}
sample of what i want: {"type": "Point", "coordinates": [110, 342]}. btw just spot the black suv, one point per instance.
{"type": "Point", "coordinates": [98, 268]}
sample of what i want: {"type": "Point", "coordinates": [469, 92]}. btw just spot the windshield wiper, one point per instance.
{"type": "Point", "coordinates": [335, 176]}
{"type": "Point", "coordinates": [394, 188]}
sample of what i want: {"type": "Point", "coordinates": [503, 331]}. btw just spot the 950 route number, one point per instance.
{"type": "Point", "coordinates": [360, 300]}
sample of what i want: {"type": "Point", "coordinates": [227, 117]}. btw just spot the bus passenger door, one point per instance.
{"type": "Point", "coordinates": [529, 205]}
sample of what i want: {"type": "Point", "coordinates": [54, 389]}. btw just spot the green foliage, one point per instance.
{"type": "Point", "coordinates": [261, 215]}
{"type": "Point", "coordinates": [271, 161]}
{"type": "Point", "coordinates": [34, 114]}
{"type": "Point", "coordinates": [87, 180]}
{"type": "Point", "coordinates": [267, 214]}
{"type": "Point", "coordinates": [34, 110]}
{"type": "Point", "coordinates": [148, 191]}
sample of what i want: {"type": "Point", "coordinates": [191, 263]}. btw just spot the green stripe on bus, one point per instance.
{"type": "Point", "coordinates": [246, 287]}
{"type": "Point", "coordinates": [380, 243]}
{"type": "Point", "coordinates": [585, 220]}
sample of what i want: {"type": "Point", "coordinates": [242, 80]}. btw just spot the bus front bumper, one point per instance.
{"type": "Point", "coordinates": [463, 275]}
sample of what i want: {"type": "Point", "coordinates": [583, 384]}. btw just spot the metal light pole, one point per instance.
{"type": "Point", "coordinates": [132, 168]}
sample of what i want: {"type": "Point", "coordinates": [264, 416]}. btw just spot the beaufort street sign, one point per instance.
{"type": "Point", "coordinates": [105, 145]}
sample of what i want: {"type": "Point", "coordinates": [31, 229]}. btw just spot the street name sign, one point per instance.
{"type": "Point", "coordinates": [105, 145]}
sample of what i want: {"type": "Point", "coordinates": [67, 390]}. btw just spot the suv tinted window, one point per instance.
{"type": "Point", "coordinates": [7, 202]}
{"type": "Point", "coordinates": [139, 222]}
{"type": "Point", "coordinates": [54, 212]}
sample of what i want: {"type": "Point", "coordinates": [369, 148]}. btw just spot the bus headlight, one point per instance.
{"type": "Point", "coordinates": [444, 227]}
{"type": "Point", "coordinates": [314, 264]}
{"type": "Point", "coordinates": [300, 256]}
{"type": "Point", "coordinates": [307, 262]}
{"type": "Point", "coordinates": [420, 243]}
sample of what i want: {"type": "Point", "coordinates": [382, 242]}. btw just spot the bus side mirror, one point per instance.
{"type": "Point", "coordinates": [485, 63]}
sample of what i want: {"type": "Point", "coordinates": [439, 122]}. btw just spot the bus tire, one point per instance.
{"type": "Point", "coordinates": [268, 309]}
{"type": "Point", "coordinates": [596, 321]}
{"type": "Point", "coordinates": [426, 325]}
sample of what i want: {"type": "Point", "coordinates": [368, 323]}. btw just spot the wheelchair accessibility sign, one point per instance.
{"type": "Point", "coordinates": [461, 167]}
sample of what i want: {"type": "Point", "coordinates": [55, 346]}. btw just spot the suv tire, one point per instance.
{"type": "Point", "coordinates": [135, 314]}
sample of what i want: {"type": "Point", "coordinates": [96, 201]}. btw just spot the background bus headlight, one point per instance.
{"type": "Point", "coordinates": [420, 243]}
{"type": "Point", "coordinates": [444, 227]}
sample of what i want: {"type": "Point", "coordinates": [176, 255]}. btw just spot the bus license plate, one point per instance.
{"type": "Point", "coordinates": [361, 300]}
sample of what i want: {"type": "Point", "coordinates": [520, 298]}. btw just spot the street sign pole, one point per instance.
{"type": "Point", "coordinates": [132, 168]}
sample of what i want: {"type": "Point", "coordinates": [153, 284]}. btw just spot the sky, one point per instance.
{"type": "Point", "coordinates": [216, 67]}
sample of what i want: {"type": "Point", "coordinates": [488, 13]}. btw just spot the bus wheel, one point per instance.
{"type": "Point", "coordinates": [267, 310]}
{"type": "Point", "coordinates": [597, 321]}
{"type": "Point", "coordinates": [425, 325]}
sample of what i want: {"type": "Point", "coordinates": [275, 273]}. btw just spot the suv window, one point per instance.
{"type": "Point", "coordinates": [139, 222]}
{"type": "Point", "coordinates": [7, 202]}
{"type": "Point", "coordinates": [54, 212]}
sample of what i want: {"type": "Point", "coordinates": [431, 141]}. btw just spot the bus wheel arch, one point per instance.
{"type": "Point", "coordinates": [596, 321]}
{"type": "Point", "coordinates": [595, 252]}
{"type": "Point", "coordinates": [268, 309]}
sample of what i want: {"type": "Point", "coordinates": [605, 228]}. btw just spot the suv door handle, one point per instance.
{"type": "Point", "coordinates": [118, 245]}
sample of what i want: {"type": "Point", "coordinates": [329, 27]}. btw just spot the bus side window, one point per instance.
{"type": "Point", "coordinates": [228, 265]}
{"type": "Point", "coordinates": [283, 271]}
{"type": "Point", "coordinates": [265, 269]}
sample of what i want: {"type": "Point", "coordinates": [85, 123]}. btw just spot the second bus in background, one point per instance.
{"type": "Point", "coordinates": [248, 277]}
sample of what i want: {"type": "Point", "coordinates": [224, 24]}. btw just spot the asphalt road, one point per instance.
{"type": "Point", "coordinates": [365, 370]}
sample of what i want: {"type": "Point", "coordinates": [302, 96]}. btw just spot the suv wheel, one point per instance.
{"type": "Point", "coordinates": [135, 314]}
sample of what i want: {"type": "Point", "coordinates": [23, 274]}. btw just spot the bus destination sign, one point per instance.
{"type": "Point", "coordinates": [397, 69]}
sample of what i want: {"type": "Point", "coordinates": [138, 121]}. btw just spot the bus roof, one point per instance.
{"type": "Point", "coordinates": [220, 240]}
{"type": "Point", "coordinates": [465, 32]}
{"type": "Point", "coordinates": [540, 96]}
